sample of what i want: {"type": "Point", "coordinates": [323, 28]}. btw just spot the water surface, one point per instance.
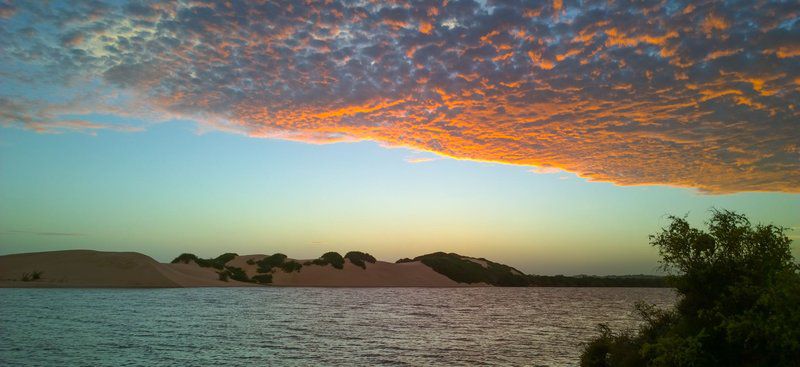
{"type": "Point", "coordinates": [309, 326]}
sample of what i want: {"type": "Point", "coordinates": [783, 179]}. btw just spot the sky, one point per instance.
{"type": "Point", "coordinates": [551, 136]}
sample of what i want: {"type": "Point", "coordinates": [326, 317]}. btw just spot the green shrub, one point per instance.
{"type": "Point", "coordinates": [217, 263]}
{"type": "Point", "coordinates": [251, 261]}
{"type": "Point", "coordinates": [263, 278]}
{"type": "Point", "coordinates": [223, 275]}
{"type": "Point", "coordinates": [237, 274]}
{"type": "Point", "coordinates": [266, 264]}
{"type": "Point", "coordinates": [358, 258]}
{"type": "Point", "coordinates": [333, 258]}
{"type": "Point", "coordinates": [32, 276]}
{"type": "Point", "coordinates": [185, 258]}
{"type": "Point", "coordinates": [404, 260]}
{"type": "Point", "coordinates": [611, 349]}
{"type": "Point", "coordinates": [739, 289]}
{"type": "Point", "coordinates": [291, 266]}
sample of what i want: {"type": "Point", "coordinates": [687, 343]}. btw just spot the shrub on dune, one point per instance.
{"type": "Point", "coordinates": [237, 274]}
{"type": "Point", "coordinates": [291, 266]}
{"type": "Point", "coordinates": [333, 258]}
{"type": "Point", "coordinates": [216, 263]}
{"type": "Point", "coordinates": [32, 276]}
{"type": "Point", "coordinates": [185, 258]}
{"type": "Point", "coordinates": [359, 258]}
{"type": "Point", "coordinates": [266, 264]}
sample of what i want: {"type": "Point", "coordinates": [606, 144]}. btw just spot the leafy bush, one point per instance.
{"type": "Point", "coordinates": [610, 349]}
{"type": "Point", "coordinates": [237, 274]}
{"type": "Point", "coordinates": [216, 263]}
{"type": "Point", "coordinates": [333, 258]}
{"type": "Point", "coordinates": [263, 278]}
{"type": "Point", "coordinates": [739, 289]}
{"type": "Point", "coordinates": [359, 258]}
{"type": "Point", "coordinates": [404, 260]}
{"type": "Point", "coordinates": [291, 266]}
{"type": "Point", "coordinates": [32, 276]}
{"type": "Point", "coordinates": [266, 264]}
{"type": "Point", "coordinates": [185, 258]}
{"type": "Point", "coordinates": [251, 261]}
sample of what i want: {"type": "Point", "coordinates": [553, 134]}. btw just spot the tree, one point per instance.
{"type": "Point", "coordinates": [739, 293]}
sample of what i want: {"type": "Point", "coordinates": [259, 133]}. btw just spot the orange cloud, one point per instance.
{"type": "Point", "coordinates": [420, 159]}
{"type": "Point", "coordinates": [425, 27]}
{"type": "Point", "coordinates": [686, 96]}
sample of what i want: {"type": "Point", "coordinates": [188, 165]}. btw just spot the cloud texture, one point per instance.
{"type": "Point", "coordinates": [691, 94]}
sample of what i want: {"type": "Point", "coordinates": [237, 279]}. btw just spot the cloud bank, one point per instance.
{"type": "Point", "coordinates": [683, 93]}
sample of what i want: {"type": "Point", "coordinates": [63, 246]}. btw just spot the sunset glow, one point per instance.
{"type": "Point", "coordinates": [692, 103]}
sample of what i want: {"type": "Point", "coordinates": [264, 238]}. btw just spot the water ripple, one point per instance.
{"type": "Point", "coordinates": [309, 326]}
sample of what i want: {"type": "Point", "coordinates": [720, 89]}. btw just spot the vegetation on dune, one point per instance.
{"type": "Point", "coordinates": [216, 263]}
{"type": "Point", "coordinates": [266, 264]}
{"type": "Point", "coordinates": [263, 278]}
{"type": "Point", "coordinates": [739, 289]}
{"type": "Point", "coordinates": [359, 258]}
{"type": "Point", "coordinates": [184, 258]}
{"type": "Point", "coordinates": [291, 266]}
{"type": "Point", "coordinates": [32, 276]}
{"type": "Point", "coordinates": [235, 273]}
{"type": "Point", "coordinates": [463, 270]}
{"type": "Point", "coordinates": [453, 266]}
{"type": "Point", "coordinates": [333, 258]}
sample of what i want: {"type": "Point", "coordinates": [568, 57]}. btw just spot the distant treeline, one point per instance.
{"type": "Point", "coordinates": [464, 269]}
{"type": "Point", "coordinates": [652, 281]}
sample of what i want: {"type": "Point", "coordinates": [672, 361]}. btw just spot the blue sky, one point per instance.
{"type": "Point", "coordinates": [206, 127]}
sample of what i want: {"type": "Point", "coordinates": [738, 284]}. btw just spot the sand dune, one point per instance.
{"type": "Point", "coordinates": [86, 268]}
{"type": "Point", "coordinates": [378, 274]}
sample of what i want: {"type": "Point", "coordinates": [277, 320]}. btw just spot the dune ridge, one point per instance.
{"type": "Point", "coordinates": [99, 269]}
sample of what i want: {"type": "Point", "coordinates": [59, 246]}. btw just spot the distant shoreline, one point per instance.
{"type": "Point", "coordinates": [100, 269]}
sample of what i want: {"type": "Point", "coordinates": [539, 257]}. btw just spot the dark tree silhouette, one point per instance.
{"type": "Point", "coordinates": [739, 295]}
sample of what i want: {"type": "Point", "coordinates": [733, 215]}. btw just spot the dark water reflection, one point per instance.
{"type": "Point", "coordinates": [309, 326]}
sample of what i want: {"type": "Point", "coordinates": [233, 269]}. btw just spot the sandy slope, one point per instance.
{"type": "Point", "coordinates": [379, 274]}
{"type": "Point", "coordinates": [86, 268]}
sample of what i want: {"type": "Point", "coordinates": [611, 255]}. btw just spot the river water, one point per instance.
{"type": "Point", "coordinates": [310, 326]}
